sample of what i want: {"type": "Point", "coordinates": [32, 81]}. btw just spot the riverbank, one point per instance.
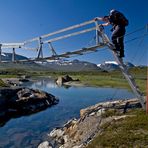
{"type": "Point", "coordinates": [92, 78]}
{"type": "Point", "coordinates": [93, 122]}
{"type": "Point", "coordinates": [62, 111]}
{"type": "Point", "coordinates": [16, 100]}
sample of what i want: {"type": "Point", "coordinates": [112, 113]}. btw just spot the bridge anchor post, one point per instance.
{"type": "Point", "coordinates": [13, 54]}
{"type": "Point", "coordinates": [40, 51]}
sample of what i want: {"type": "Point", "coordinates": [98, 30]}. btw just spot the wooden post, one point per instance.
{"type": "Point", "coordinates": [52, 49]}
{"type": "Point", "coordinates": [40, 52]}
{"type": "Point", "coordinates": [97, 33]}
{"type": "Point", "coordinates": [13, 55]}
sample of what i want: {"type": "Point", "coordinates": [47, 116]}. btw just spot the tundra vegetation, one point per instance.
{"type": "Point", "coordinates": [89, 78]}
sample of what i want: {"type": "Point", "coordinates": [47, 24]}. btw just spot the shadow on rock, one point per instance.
{"type": "Point", "coordinates": [16, 102]}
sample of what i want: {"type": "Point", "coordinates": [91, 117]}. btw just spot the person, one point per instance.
{"type": "Point", "coordinates": [119, 22]}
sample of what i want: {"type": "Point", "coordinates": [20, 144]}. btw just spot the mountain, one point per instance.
{"type": "Point", "coordinates": [8, 57]}
{"type": "Point", "coordinates": [59, 65]}
{"type": "Point", "coordinates": [19, 65]}
{"type": "Point", "coordinates": [52, 65]}
{"type": "Point", "coordinates": [112, 65]}
{"type": "Point", "coordinates": [74, 65]}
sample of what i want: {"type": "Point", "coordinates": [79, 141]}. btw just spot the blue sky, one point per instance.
{"type": "Point", "coordinates": [25, 19]}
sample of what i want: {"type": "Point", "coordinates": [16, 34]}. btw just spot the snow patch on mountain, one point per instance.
{"type": "Point", "coordinates": [112, 65]}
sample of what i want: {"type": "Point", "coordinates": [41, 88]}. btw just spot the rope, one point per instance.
{"type": "Point", "coordinates": [142, 55]}
{"type": "Point", "coordinates": [128, 41]}
{"type": "Point", "coordinates": [137, 30]}
{"type": "Point", "coordinates": [137, 51]}
{"type": "Point", "coordinates": [136, 38]}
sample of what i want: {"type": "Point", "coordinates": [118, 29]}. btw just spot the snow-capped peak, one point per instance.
{"type": "Point", "coordinates": [111, 62]}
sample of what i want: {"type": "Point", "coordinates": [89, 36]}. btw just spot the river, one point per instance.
{"type": "Point", "coordinates": [29, 131]}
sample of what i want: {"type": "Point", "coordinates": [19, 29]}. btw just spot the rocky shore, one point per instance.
{"type": "Point", "coordinates": [16, 82]}
{"type": "Point", "coordinates": [77, 133]}
{"type": "Point", "coordinates": [15, 102]}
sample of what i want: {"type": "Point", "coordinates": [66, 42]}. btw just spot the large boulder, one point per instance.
{"type": "Point", "coordinates": [16, 102]}
{"type": "Point", "coordinates": [63, 79]}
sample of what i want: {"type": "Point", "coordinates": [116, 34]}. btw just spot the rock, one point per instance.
{"type": "Point", "coordinates": [80, 146]}
{"type": "Point", "coordinates": [45, 144]}
{"type": "Point", "coordinates": [23, 80]}
{"type": "Point", "coordinates": [61, 80]}
{"type": "Point", "coordinates": [23, 101]}
{"type": "Point", "coordinates": [100, 111]}
{"type": "Point", "coordinates": [65, 137]}
{"type": "Point", "coordinates": [77, 133]}
{"type": "Point", "coordinates": [25, 76]}
{"type": "Point", "coordinates": [92, 114]}
{"type": "Point", "coordinates": [12, 82]}
{"type": "Point", "coordinates": [68, 78]}
{"type": "Point", "coordinates": [56, 133]}
{"type": "Point", "coordinates": [70, 123]}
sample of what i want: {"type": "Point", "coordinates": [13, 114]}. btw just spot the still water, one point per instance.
{"type": "Point", "coordinates": [29, 131]}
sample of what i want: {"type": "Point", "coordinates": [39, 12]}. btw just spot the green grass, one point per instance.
{"type": "Point", "coordinates": [114, 79]}
{"type": "Point", "coordinates": [90, 78]}
{"type": "Point", "coordinates": [128, 132]}
{"type": "Point", "coordinates": [2, 84]}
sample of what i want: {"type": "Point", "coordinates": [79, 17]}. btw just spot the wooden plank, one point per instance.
{"type": "Point", "coordinates": [12, 44]}
{"type": "Point", "coordinates": [60, 31]}
{"type": "Point", "coordinates": [68, 28]}
{"type": "Point", "coordinates": [10, 47]}
{"type": "Point", "coordinates": [97, 36]}
{"type": "Point", "coordinates": [69, 35]}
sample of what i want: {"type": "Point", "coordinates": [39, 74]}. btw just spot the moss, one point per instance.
{"type": "Point", "coordinates": [110, 112]}
{"type": "Point", "coordinates": [128, 132]}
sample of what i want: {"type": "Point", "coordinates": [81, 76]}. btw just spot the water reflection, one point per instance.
{"type": "Point", "coordinates": [29, 131]}
{"type": "Point", "coordinates": [48, 83]}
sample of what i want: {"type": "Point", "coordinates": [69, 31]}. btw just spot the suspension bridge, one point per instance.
{"type": "Point", "coordinates": [42, 40]}
{"type": "Point", "coordinates": [101, 40]}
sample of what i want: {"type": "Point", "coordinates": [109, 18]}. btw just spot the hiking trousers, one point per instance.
{"type": "Point", "coordinates": [118, 38]}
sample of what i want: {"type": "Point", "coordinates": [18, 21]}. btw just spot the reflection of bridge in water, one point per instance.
{"type": "Point", "coordinates": [101, 40]}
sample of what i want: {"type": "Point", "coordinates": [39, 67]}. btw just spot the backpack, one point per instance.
{"type": "Point", "coordinates": [118, 18]}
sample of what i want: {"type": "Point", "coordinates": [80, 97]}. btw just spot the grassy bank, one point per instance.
{"type": "Point", "coordinates": [97, 78]}
{"type": "Point", "coordinates": [2, 84]}
{"type": "Point", "coordinates": [128, 132]}
{"type": "Point", "coordinates": [114, 79]}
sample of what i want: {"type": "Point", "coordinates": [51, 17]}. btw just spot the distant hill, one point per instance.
{"type": "Point", "coordinates": [74, 65]}
{"type": "Point", "coordinates": [55, 65]}
{"type": "Point", "coordinates": [26, 65]}
{"type": "Point", "coordinates": [59, 65]}
{"type": "Point", "coordinates": [8, 57]}
{"type": "Point", "coordinates": [112, 65]}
